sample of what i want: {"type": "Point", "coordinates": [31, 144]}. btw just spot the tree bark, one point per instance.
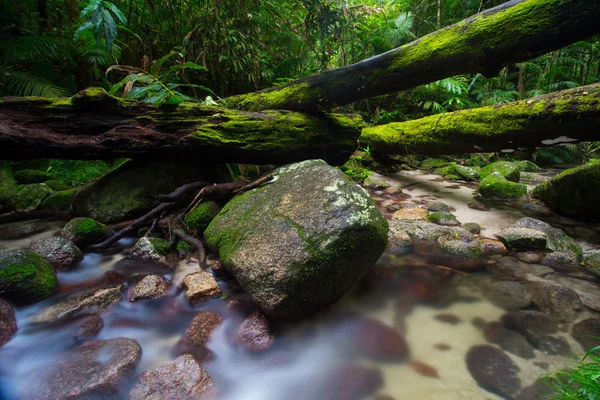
{"type": "Point", "coordinates": [95, 125]}
{"type": "Point", "coordinates": [562, 117]}
{"type": "Point", "coordinates": [515, 31]}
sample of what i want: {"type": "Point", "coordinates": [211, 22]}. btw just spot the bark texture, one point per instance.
{"type": "Point", "coordinates": [568, 116]}
{"type": "Point", "coordinates": [95, 125]}
{"type": "Point", "coordinates": [515, 31]}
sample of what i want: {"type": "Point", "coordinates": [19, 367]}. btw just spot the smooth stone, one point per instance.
{"type": "Point", "coordinates": [437, 206]}
{"type": "Point", "coordinates": [558, 301]}
{"type": "Point", "coordinates": [493, 370]}
{"type": "Point", "coordinates": [411, 214]}
{"type": "Point", "coordinates": [26, 277]}
{"type": "Point", "coordinates": [85, 231]}
{"type": "Point", "coordinates": [509, 340]}
{"type": "Point", "coordinates": [20, 230]}
{"type": "Point", "coordinates": [531, 324]}
{"type": "Point", "coordinates": [529, 257]}
{"type": "Point", "coordinates": [508, 295]}
{"type": "Point", "coordinates": [491, 247]}
{"type": "Point", "coordinates": [254, 333]}
{"type": "Point", "coordinates": [200, 286]}
{"type": "Point", "coordinates": [376, 340]}
{"type": "Point", "coordinates": [554, 346]}
{"type": "Point", "coordinates": [89, 326]}
{"type": "Point", "coordinates": [150, 287]}
{"type": "Point", "coordinates": [523, 239]}
{"type": "Point", "coordinates": [61, 253]}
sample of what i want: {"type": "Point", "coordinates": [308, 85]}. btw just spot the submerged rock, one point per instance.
{"type": "Point", "coordinates": [300, 243]}
{"type": "Point", "coordinates": [201, 216]}
{"type": "Point", "coordinates": [89, 326]}
{"type": "Point", "coordinates": [254, 333]}
{"type": "Point", "coordinates": [131, 190]}
{"type": "Point", "coordinates": [573, 192]}
{"type": "Point", "coordinates": [150, 287]}
{"type": "Point", "coordinates": [150, 249]}
{"type": "Point", "coordinates": [587, 332]}
{"type": "Point", "coordinates": [509, 340]}
{"type": "Point", "coordinates": [30, 197]}
{"type": "Point", "coordinates": [376, 340]}
{"type": "Point", "coordinates": [496, 187]}
{"type": "Point", "coordinates": [90, 301]}
{"type": "Point", "coordinates": [531, 324]}
{"type": "Point", "coordinates": [523, 239]}
{"type": "Point", "coordinates": [507, 169]}
{"type": "Point", "coordinates": [493, 370]}
{"type": "Point", "coordinates": [349, 382]}
{"type": "Point", "coordinates": [590, 263]}
{"type": "Point", "coordinates": [197, 335]}
{"type": "Point", "coordinates": [85, 231]}
{"type": "Point", "coordinates": [61, 253]}
{"type": "Point", "coordinates": [181, 379]}
{"type": "Point", "coordinates": [509, 295]}
{"type": "Point", "coordinates": [554, 346]}
{"type": "Point", "coordinates": [94, 369]}
{"type": "Point", "coordinates": [25, 277]}
{"type": "Point", "coordinates": [8, 322]}
{"type": "Point", "coordinates": [200, 286]}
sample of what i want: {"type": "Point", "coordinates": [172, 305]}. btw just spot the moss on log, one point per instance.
{"type": "Point", "coordinates": [95, 125]}
{"type": "Point", "coordinates": [515, 31]}
{"type": "Point", "coordinates": [561, 117]}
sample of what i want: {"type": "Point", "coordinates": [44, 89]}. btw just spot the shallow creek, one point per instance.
{"type": "Point", "coordinates": [433, 307]}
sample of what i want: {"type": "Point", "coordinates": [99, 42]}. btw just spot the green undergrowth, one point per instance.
{"type": "Point", "coordinates": [358, 167]}
{"type": "Point", "coordinates": [581, 382]}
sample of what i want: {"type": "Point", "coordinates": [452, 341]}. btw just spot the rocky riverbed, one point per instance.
{"type": "Point", "coordinates": [448, 312]}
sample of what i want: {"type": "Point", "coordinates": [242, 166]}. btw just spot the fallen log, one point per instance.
{"type": "Point", "coordinates": [562, 117]}
{"type": "Point", "coordinates": [515, 31]}
{"type": "Point", "coordinates": [95, 125]}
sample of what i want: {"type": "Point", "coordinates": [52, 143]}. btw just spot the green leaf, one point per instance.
{"type": "Point", "coordinates": [155, 68]}
{"type": "Point", "coordinates": [91, 7]}
{"type": "Point", "coordinates": [146, 90]}
{"type": "Point", "coordinates": [82, 29]}
{"type": "Point", "coordinates": [159, 98]}
{"type": "Point", "coordinates": [190, 65]}
{"type": "Point", "coordinates": [174, 100]}
{"type": "Point", "coordinates": [119, 14]}
{"type": "Point", "coordinates": [110, 29]}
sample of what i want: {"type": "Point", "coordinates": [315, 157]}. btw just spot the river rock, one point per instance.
{"type": "Point", "coordinates": [425, 231]}
{"type": "Point", "coordinates": [85, 231]}
{"type": "Point", "coordinates": [300, 243]}
{"type": "Point", "coordinates": [94, 369]}
{"type": "Point", "coordinates": [376, 340]}
{"type": "Point", "coordinates": [59, 201]}
{"type": "Point", "coordinates": [200, 286]}
{"type": "Point", "coordinates": [470, 250]}
{"type": "Point", "coordinates": [573, 192]}
{"type": "Point", "coordinates": [201, 216]}
{"type": "Point", "coordinates": [150, 287]}
{"type": "Point", "coordinates": [90, 301]}
{"type": "Point", "coordinates": [523, 239]}
{"type": "Point", "coordinates": [509, 340]}
{"type": "Point", "coordinates": [531, 324]}
{"type": "Point", "coordinates": [411, 214]}
{"type": "Point", "coordinates": [587, 332]}
{"type": "Point", "coordinates": [89, 326]}
{"type": "Point", "coordinates": [150, 249]}
{"type": "Point", "coordinates": [180, 379]}
{"type": "Point", "coordinates": [442, 218]}
{"type": "Point", "coordinates": [131, 190]}
{"type": "Point", "coordinates": [558, 241]}
{"type": "Point", "coordinates": [472, 227]}
{"type": "Point", "coordinates": [561, 261]}
{"type": "Point", "coordinates": [493, 370]}
{"type": "Point", "coordinates": [554, 346]}
{"type": "Point", "coordinates": [19, 230]}
{"type": "Point", "coordinates": [529, 257]}
{"type": "Point", "coordinates": [438, 206]}
{"type": "Point", "coordinates": [539, 390]}
{"type": "Point", "coordinates": [254, 333]}
{"type": "Point", "coordinates": [559, 302]}
{"type": "Point", "coordinates": [590, 263]}
{"type": "Point", "coordinates": [61, 253]}
{"type": "Point", "coordinates": [8, 322]}
{"type": "Point", "coordinates": [496, 187]}
{"type": "Point", "coordinates": [197, 335]}
{"type": "Point", "coordinates": [25, 277]}
{"type": "Point", "coordinates": [466, 173]}
{"type": "Point", "coordinates": [491, 247]}
{"type": "Point", "coordinates": [350, 382]}
{"type": "Point", "coordinates": [30, 197]}
{"type": "Point", "coordinates": [507, 169]}
{"type": "Point", "coordinates": [509, 295]}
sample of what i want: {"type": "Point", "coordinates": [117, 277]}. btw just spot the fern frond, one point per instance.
{"type": "Point", "coordinates": [23, 84]}
{"type": "Point", "coordinates": [26, 48]}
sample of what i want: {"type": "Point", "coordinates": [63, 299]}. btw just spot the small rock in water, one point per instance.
{"type": "Point", "coordinates": [536, 210]}
{"type": "Point", "coordinates": [352, 382]}
{"type": "Point", "coordinates": [94, 369]}
{"type": "Point", "coordinates": [8, 322]}
{"type": "Point", "coordinates": [90, 301]}
{"type": "Point", "coordinates": [150, 287]}
{"type": "Point", "coordinates": [411, 214]}
{"type": "Point", "coordinates": [424, 369]}
{"type": "Point", "coordinates": [448, 319]}
{"type": "Point", "coordinates": [61, 253]}
{"type": "Point", "coordinates": [180, 379]}
{"type": "Point", "coordinates": [378, 341]}
{"type": "Point", "coordinates": [523, 239]}
{"type": "Point", "coordinates": [537, 391]}
{"type": "Point", "coordinates": [586, 332]}
{"type": "Point", "coordinates": [508, 340]}
{"type": "Point", "coordinates": [472, 227]}
{"type": "Point", "coordinates": [200, 286]}
{"type": "Point", "coordinates": [509, 295]}
{"type": "Point", "coordinates": [437, 206]}
{"type": "Point", "coordinates": [443, 346]}
{"type": "Point", "coordinates": [475, 205]}
{"type": "Point", "coordinates": [531, 324]}
{"type": "Point", "coordinates": [554, 346]}
{"type": "Point", "coordinates": [85, 231]}
{"type": "Point", "coordinates": [493, 370]}
{"type": "Point", "coordinates": [89, 326]}
{"type": "Point", "coordinates": [151, 250]}
{"type": "Point", "coordinates": [560, 302]}
{"type": "Point", "coordinates": [529, 257]}
{"type": "Point", "coordinates": [479, 322]}
{"type": "Point", "coordinates": [197, 335]}
{"type": "Point", "coordinates": [254, 333]}
{"type": "Point", "coordinates": [491, 247]}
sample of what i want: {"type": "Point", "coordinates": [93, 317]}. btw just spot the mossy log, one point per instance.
{"type": "Point", "coordinates": [95, 125]}
{"type": "Point", "coordinates": [515, 31]}
{"type": "Point", "coordinates": [562, 117]}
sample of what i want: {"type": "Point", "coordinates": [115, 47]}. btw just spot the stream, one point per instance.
{"type": "Point", "coordinates": [439, 312]}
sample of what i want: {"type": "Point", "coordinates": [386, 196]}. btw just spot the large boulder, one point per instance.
{"type": "Point", "coordinates": [507, 169]}
{"type": "Point", "coordinates": [560, 302]}
{"type": "Point", "coordinates": [94, 370]}
{"type": "Point", "coordinates": [298, 244]}
{"type": "Point", "coordinates": [131, 190]}
{"type": "Point", "coordinates": [497, 187]}
{"type": "Point", "coordinates": [26, 277]}
{"type": "Point", "coordinates": [573, 192]}
{"type": "Point", "coordinates": [61, 253]}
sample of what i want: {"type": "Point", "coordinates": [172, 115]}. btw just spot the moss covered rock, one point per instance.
{"type": "Point", "coordinates": [201, 216]}
{"type": "Point", "coordinates": [59, 201]}
{"type": "Point", "coordinates": [442, 218]}
{"type": "Point", "coordinates": [523, 239]}
{"type": "Point", "coordinates": [465, 173]}
{"type": "Point", "coordinates": [434, 163]}
{"type": "Point", "coordinates": [496, 187]}
{"type": "Point", "coordinates": [558, 241]}
{"type": "Point", "coordinates": [61, 253]}
{"type": "Point", "coordinates": [590, 264]}
{"type": "Point", "coordinates": [573, 192]}
{"type": "Point", "coordinates": [85, 231]}
{"type": "Point", "coordinates": [28, 176]}
{"type": "Point", "coordinates": [507, 169]}
{"type": "Point", "coordinates": [150, 249]}
{"type": "Point", "coordinates": [30, 197]}
{"type": "Point", "coordinates": [57, 186]}
{"type": "Point", "coordinates": [528, 166]}
{"type": "Point", "coordinates": [25, 277]}
{"type": "Point", "coordinates": [298, 244]}
{"type": "Point", "coordinates": [131, 190]}
{"type": "Point", "coordinates": [8, 185]}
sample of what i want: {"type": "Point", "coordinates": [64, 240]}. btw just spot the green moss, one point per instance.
{"type": "Point", "coordinates": [562, 107]}
{"type": "Point", "coordinates": [8, 185]}
{"type": "Point", "coordinates": [496, 187]}
{"type": "Point", "coordinates": [57, 186]}
{"type": "Point", "coordinates": [432, 163]}
{"type": "Point", "coordinates": [30, 197]}
{"type": "Point", "coordinates": [200, 217]}
{"type": "Point", "coordinates": [85, 231]}
{"type": "Point", "coordinates": [182, 247]}
{"type": "Point", "coordinates": [275, 98]}
{"type": "Point", "coordinates": [26, 277]}
{"type": "Point", "coordinates": [443, 217]}
{"type": "Point", "coordinates": [507, 169]}
{"type": "Point", "coordinates": [160, 245]}
{"type": "Point", "coordinates": [59, 201]}
{"type": "Point", "coordinates": [28, 176]}
{"type": "Point", "coordinates": [357, 168]}
{"type": "Point", "coordinates": [526, 165]}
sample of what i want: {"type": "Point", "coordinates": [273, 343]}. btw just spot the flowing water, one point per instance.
{"type": "Point", "coordinates": [434, 308]}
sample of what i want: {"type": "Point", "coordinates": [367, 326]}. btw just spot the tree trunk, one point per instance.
{"type": "Point", "coordinates": [568, 116]}
{"type": "Point", "coordinates": [513, 32]}
{"type": "Point", "coordinates": [95, 125]}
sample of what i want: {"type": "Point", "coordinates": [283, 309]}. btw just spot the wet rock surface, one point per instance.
{"type": "Point", "coordinates": [200, 286]}
{"type": "Point", "coordinates": [94, 369]}
{"type": "Point", "coordinates": [254, 333]}
{"type": "Point", "coordinates": [509, 340]}
{"type": "Point", "coordinates": [558, 301]}
{"type": "Point", "coordinates": [377, 340]}
{"type": "Point", "coordinates": [150, 249]}
{"type": "Point", "coordinates": [493, 370]}
{"type": "Point", "coordinates": [8, 322]}
{"type": "Point", "coordinates": [586, 332]}
{"type": "Point", "coordinates": [61, 253]}
{"type": "Point", "coordinates": [85, 231]}
{"type": "Point", "coordinates": [25, 277]}
{"type": "Point", "coordinates": [197, 335]}
{"type": "Point", "coordinates": [509, 295]}
{"type": "Point", "coordinates": [531, 324]}
{"type": "Point", "coordinates": [18, 230]}
{"type": "Point", "coordinates": [89, 326]}
{"type": "Point", "coordinates": [180, 379]}
{"type": "Point", "coordinates": [523, 239]}
{"type": "Point", "coordinates": [150, 287]}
